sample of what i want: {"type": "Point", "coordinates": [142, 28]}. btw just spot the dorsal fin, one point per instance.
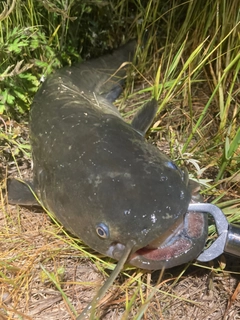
{"type": "Point", "coordinates": [20, 193]}
{"type": "Point", "coordinates": [144, 117]}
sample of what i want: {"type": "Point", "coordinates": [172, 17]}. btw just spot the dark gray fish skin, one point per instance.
{"type": "Point", "coordinates": [19, 193]}
{"type": "Point", "coordinates": [96, 173]}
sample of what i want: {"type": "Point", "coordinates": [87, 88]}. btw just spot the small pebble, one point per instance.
{"type": "Point", "coordinates": [6, 297]}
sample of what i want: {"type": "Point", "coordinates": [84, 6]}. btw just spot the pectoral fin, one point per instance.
{"type": "Point", "coordinates": [20, 193]}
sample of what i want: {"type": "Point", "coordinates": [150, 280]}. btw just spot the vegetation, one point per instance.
{"type": "Point", "coordinates": [188, 58]}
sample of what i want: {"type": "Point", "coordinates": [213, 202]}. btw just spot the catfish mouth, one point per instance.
{"type": "Point", "coordinates": [181, 243]}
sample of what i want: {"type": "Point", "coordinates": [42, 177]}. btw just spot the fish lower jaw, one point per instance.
{"type": "Point", "coordinates": [183, 244]}
{"type": "Point", "coordinates": [163, 257]}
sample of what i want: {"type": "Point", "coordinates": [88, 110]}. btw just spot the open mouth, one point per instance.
{"type": "Point", "coordinates": [180, 244]}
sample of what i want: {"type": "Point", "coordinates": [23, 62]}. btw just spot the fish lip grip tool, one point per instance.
{"type": "Point", "coordinates": [228, 240]}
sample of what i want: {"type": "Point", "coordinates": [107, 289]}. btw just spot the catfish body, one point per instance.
{"type": "Point", "coordinates": [100, 177]}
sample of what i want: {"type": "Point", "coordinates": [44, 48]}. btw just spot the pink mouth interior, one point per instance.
{"type": "Point", "coordinates": [174, 242]}
{"type": "Point", "coordinates": [165, 253]}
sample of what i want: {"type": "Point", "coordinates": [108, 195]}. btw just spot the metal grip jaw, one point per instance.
{"type": "Point", "coordinates": [228, 240]}
{"type": "Point", "coordinates": [232, 245]}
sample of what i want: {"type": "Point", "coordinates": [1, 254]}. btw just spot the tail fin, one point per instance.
{"type": "Point", "coordinates": [105, 76]}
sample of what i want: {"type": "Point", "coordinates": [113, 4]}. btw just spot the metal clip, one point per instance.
{"type": "Point", "coordinates": [222, 225]}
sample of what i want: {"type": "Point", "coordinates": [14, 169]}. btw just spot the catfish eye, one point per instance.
{"type": "Point", "coordinates": [102, 230]}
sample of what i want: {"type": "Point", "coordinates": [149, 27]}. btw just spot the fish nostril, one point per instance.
{"type": "Point", "coordinates": [102, 230]}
